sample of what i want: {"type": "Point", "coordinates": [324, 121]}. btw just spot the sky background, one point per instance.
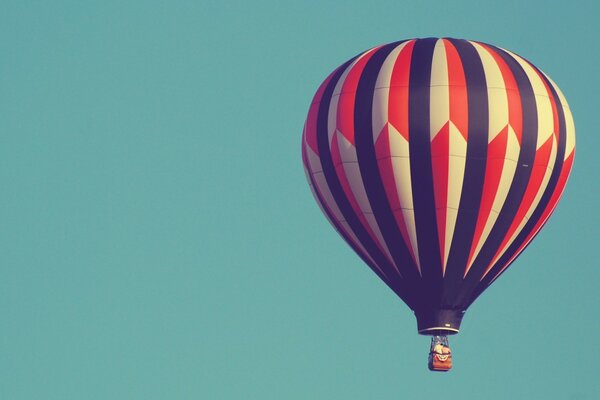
{"type": "Point", "coordinates": [158, 239]}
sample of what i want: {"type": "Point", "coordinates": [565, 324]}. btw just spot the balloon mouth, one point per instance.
{"type": "Point", "coordinates": [439, 322]}
{"type": "Point", "coordinates": [438, 330]}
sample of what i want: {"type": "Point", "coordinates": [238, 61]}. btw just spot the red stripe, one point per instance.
{"type": "Point", "coordinates": [538, 170]}
{"type": "Point", "coordinates": [331, 217]}
{"type": "Point", "coordinates": [304, 156]}
{"type": "Point", "coordinates": [398, 94]}
{"type": "Point", "coordinates": [556, 129]}
{"type": "Point", "coordinates": [440, 148]}
{"type": "Point", "coordinates": [398, 118]}
{"type": "Point", "coordinates": [560, 187]}
{"type": "Point", "coordinates": [493, 173]}
{"type": "Point", "coordinates": [345, 124]}
{"type": "Point", "coordinates": [515, 116]}
{"type": "Point", "coordinates": [339, 168]}
{"type": "Point", "coordinates": [345, 110]}
{"type": "Point", "coordinates": [341, 173]}
{"type": "Point", "coordinates": [497, 151]}
{"type": "Point", "coordinates": [560, 184]}
{"type": "Point", "coordinates": [310, 126]}
{"type": "Point", "coordinates": [384, 157]}
{"type": "Point", "coordinates": [386, 171]}
{"type": "Point", "coordinates": [459, 114]}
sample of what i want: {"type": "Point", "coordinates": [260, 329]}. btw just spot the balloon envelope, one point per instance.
{"type": "Point", "coordinates": [438, 161]}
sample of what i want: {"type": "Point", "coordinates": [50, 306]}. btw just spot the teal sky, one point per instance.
{"type": "Point", "coordinates": [158, 239]}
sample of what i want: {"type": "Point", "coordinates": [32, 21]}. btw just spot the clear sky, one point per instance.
{"type": "Point", "coordinates": [158, 239]}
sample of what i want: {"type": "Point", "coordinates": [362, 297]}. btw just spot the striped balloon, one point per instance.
{"type": "Point", "coordinates": [438, 161]}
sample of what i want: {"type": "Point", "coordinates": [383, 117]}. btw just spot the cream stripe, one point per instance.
{"type": "Point", "coordinates": [498, 120]}
{"type": "Point", "coordinates": [570, 125]}
{"type": "Point", "coordinates": [330, 203]}
{"type": "Point", "coordinates": [536, 200]}
{"type": "Point", "coordinates": [456, 173]}
{"type": "Point", "coordinates": [335, 98]}
{"type": "Point", "coordinates": [439, 102]}
{"type": "Point", "coordinates": [343, 224]}
{"type": "Point", "coordinates": [497, 97]}
{"type": "Point", "coordinates": [439, 115]}
{"type": "Point", "coordinates": [351, 170]}
{"type": "Point", "coordinates": [513, 149]}
{"type": "Point", "coordinates": [399, 146]}
{"type": "Point", "coordinates": [314, 162]}
{"type": "Point", "coordinates": [508, 173]}
{"type": "Point", "coordinates": [348, 230]}
{"type": "Point", "coordinates": [399, 150]}
{"type": "Point", "coordinates": [381, 94]}
{"type": "Point", "coordinates": [545, 115]}
{"type": "Point", "coordinates": [349, 158]}
{"type": "Point", "coordinates": [545, 118]}
{"type": "Point", "coordinates": [323, 188]}
{"type": "Point", "coordinates": [561, 96]}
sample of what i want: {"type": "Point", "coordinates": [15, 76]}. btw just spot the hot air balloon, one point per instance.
{"type": "Point", "coordinates": [438, 161]}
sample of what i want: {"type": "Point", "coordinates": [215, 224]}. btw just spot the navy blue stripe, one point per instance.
{"type": "Point", "coordinates": [369, 169]}
{"type": "Point", "coordinates": [474, 176]}
{"type": "Point", "coordinates": [548, 192]}
{"type": "Point", "coordinates": [518, 185]}
{"type": "Point", "coordinates": [421, 171]}
{"type": "Point", "coordinates": [338, 227]}
{"type": "Point", "coordinates": [338, 192]}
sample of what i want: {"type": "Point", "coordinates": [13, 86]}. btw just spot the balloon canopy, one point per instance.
{"type": "Point", "coordinates": [438, 161]}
